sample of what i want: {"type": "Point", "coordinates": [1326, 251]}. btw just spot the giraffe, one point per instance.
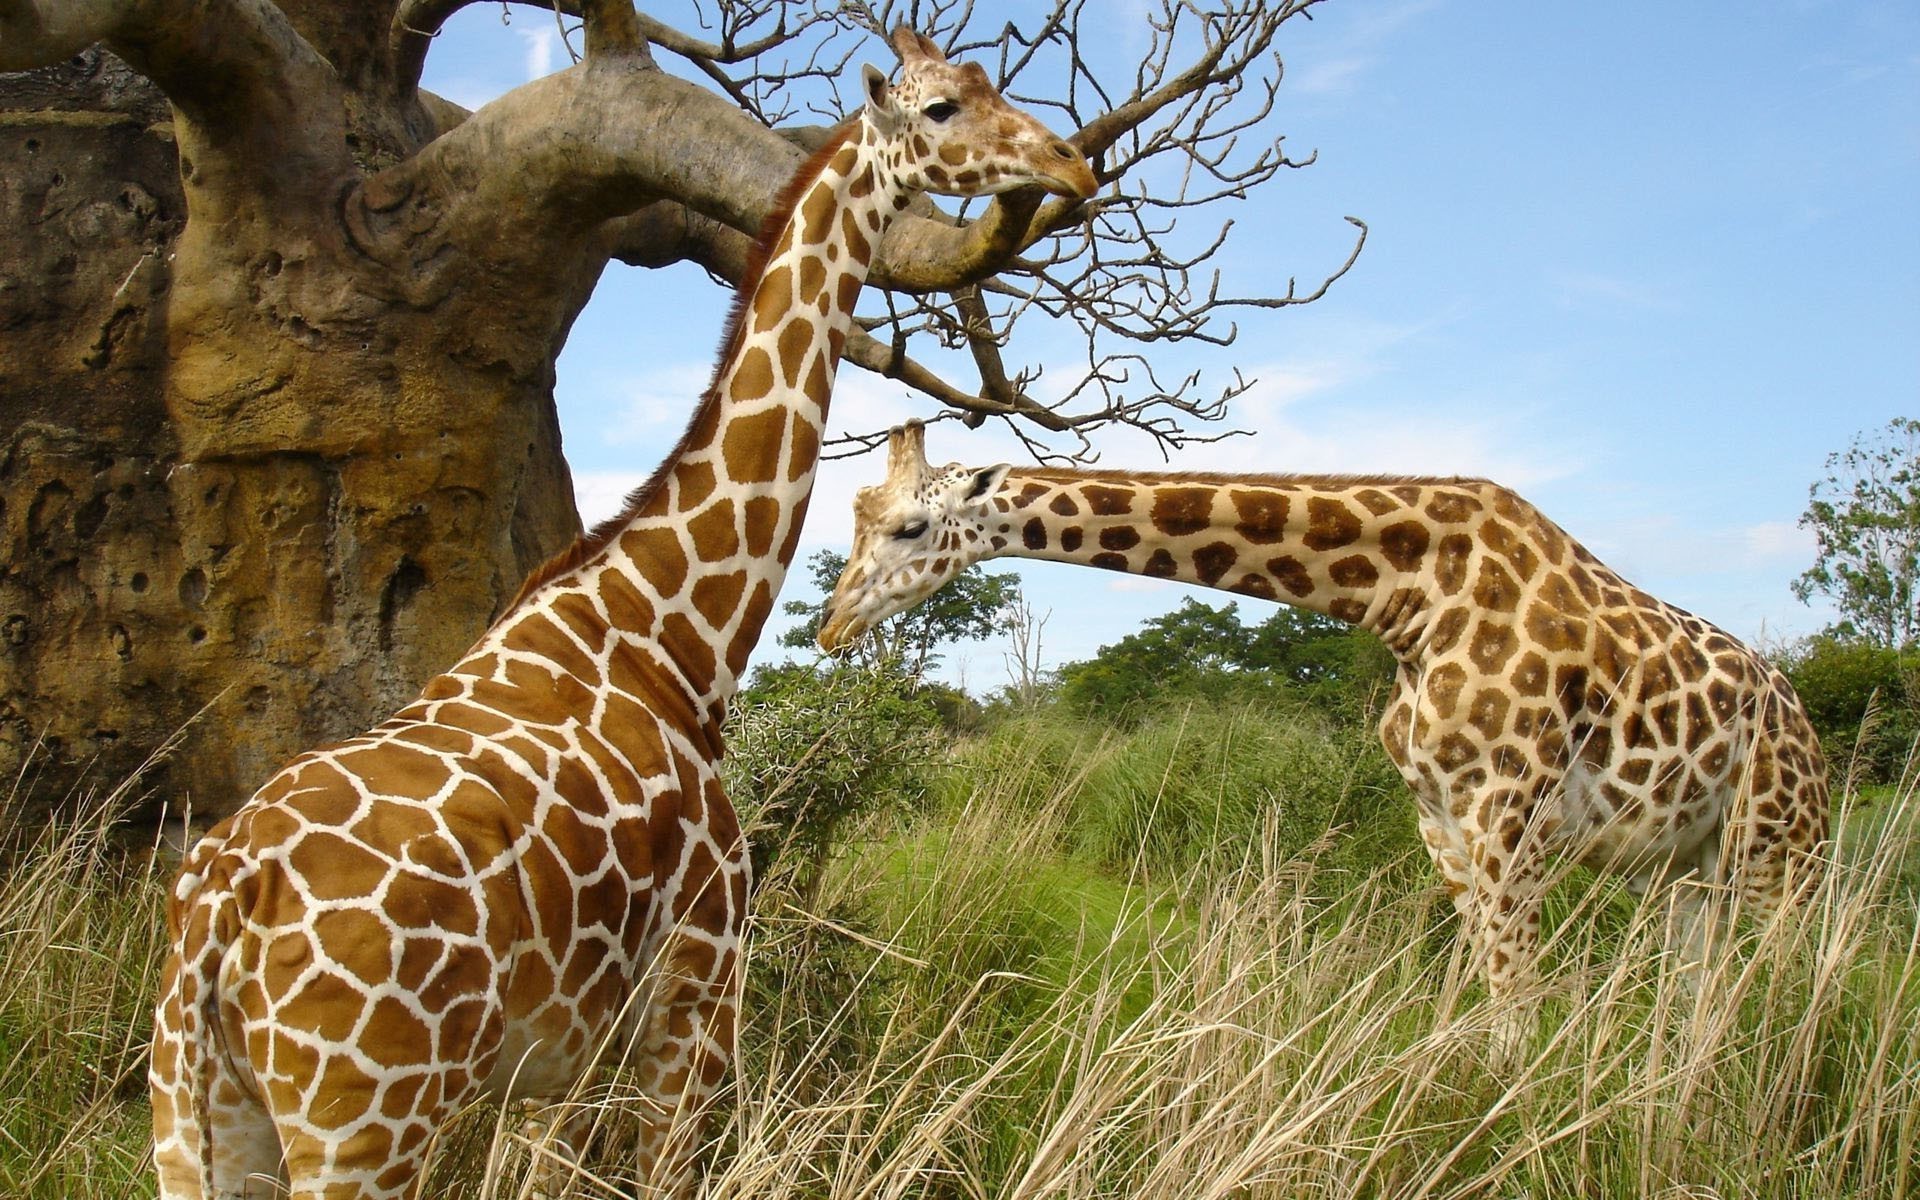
{"type": "Point", "coordinates": [535, 860]}
{"type": "Point", "coordinates": [1541, 705]}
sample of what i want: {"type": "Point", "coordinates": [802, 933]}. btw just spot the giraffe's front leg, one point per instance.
{"type": "Point", "coordinates": [1491, 859]}
{"type": "Point", "coordinates": [553, 1135]}
{"type": "Point", "coordinates": [1506, 831]}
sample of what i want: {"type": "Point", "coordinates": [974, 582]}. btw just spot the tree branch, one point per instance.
{"type": "Point", "coordinates": [1183, 134]}
{"type": "Point", "coordinates": [259, 111]}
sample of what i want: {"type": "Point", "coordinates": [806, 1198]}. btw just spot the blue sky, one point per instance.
{"type": "Point", "coordinates": [1647, 263]}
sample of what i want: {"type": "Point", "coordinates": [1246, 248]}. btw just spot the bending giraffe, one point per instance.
{"type": "Point", "coordinates": [1541, 704]}
{"type": "Point", "coordinates": [535, 859]}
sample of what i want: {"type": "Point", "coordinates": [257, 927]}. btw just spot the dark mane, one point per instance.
{"type": "Point", "coordinates": [593, 542]}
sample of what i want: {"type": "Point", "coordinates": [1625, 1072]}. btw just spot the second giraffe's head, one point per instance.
{"type": "Point", "coordinates": [949, 131]}
{"type": "Point", "coordinates": [912, 532]}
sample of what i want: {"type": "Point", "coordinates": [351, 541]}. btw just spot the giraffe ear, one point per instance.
{"type": "Point", "coordinates": [875, 82]}
{"type": "Point", "coordinates": [987, 481]}
{"type": "Point", "coordinates": [912, 47]}
{"type": "Point", "coordinates": [907, 451]}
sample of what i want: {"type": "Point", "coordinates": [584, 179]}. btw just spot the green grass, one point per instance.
{"type": "Point", "coordinates": [1197, 958]}
{"type": "Point", "coordinates": [82, 932]}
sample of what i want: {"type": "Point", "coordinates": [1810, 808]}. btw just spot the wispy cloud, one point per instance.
{"type": "Point", "coordinates": [540, 45]}
{"type": "Point", "coordinates": [651, 404]}
{"type": "Point", "coordinates": [1337, 69]}
{"type": "Point", "coordinates": [1780, 540]}
{"type": "Point", "coordinates": [600, 494]}
{"type": "Point", "coordinates": [1330, 76]}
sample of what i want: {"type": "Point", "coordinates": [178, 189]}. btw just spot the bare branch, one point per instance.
{"type": "Point", "coordinates": [1178, 132]}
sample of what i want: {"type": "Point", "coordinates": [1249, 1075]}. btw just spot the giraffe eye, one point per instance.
{"type": "Point", "coordinates": [910, 530]}
{"type": "Point", "coordinates": [940, 110]}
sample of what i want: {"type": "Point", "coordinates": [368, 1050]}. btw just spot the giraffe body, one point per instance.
{"type": "Point", "coordinates": [534, 864]}
{"type": "Point", "coordinates": [1541, 706]}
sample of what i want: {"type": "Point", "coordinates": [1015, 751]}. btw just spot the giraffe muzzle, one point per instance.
{"type": "Point", "coordinates": [838, 631]}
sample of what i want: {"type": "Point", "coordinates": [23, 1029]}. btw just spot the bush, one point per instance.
{"type": "Point", "coordinates": [810, 751]}
{"type": "Point", "coordinates": [1838, 679]}
{"type": "Point", "coordinates": [1203, 786]}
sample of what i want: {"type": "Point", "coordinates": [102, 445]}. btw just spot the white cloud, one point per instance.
{"type": "Point", "coordinates": [1337, 70]}
{"type": "Point", "coordinates": [1330, 76]}
{"type": "Point", "coordinates": [1578, 288]}
{"type": "Point", "coordinates": [655, 403]}
{"type": "Point", "coordinates": [1780, 539]}
{"type": "Point", "coordinates": [540, 45]}
{"type": "Point", "coordinates": [1136, 583]}
{"type": "Point", "coordinates": [600, 494]}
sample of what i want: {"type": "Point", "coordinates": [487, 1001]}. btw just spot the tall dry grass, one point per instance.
{"type": "Point", "coordinates": [968, 1004]}
{"type": "Point", "coordinates": [82, 934]}
{"type": "Point", "coordinates": [1003, 1021]}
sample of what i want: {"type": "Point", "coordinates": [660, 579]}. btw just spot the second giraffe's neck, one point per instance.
{"type": "Point", "coordinates": [707, 542]}
{"type": "Point", "coordinates": [1363, 551]}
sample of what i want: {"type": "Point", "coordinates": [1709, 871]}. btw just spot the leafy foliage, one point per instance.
{"type": "Point", "coordinates": [1190, 792]}
{"type": "Point", "coordinates": [1866, 515]}
{"type": "Point", "coordinates": [1200, 650]}
{"type": "Point", "coordinates": [971, 606]}
{"type": "Point", "coordinates": [1840, 680]}
{"type": "Point", "coordinates": [811, 751]}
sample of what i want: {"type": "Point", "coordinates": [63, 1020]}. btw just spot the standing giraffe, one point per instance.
{"type": "Point", "coordinates": [535, 860]}
{"type": "Point", "coordinates": [1541, 704]}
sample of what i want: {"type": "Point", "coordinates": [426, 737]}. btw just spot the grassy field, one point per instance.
{"type": "Point", "coordinates": [1202, 957]}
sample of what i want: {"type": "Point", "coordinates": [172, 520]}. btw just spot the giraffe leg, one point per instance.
{"type": "Point", "coordinates": [553, 1135]}
{"type": "Point", "coordinates": [244, 1152]}
{"type": "Point", "coordinates": [1690, 922]}
{"type": "Point", "coordinates": [330, 1168]}
{"type": "Point", "coordinates": [213, 1139]}
{"type": "Point", "coordinates": [681, 1058]}
{"type": "Point", "coordinates": [1506, 838]}
{"type": "Point", "coordinates": [1508, 916]}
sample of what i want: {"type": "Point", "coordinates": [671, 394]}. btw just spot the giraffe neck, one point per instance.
{"type": "Point", "coordinates": [1372, 553]}
{"type": "Point", "coordinates": [696, 560]}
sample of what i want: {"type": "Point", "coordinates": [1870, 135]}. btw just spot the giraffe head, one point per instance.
{"type": "Point", "coordinates": [947, 130]}
{"type": "Point", "coordinates": [912, 532]}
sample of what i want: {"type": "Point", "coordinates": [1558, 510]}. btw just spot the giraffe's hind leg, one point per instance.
{"type": "Point", "coordinates": [244, 1148]}
{"type": "Point", "coordinates": [208, 1129]}
{"type": "Point", "coordinates": [682, 1055]}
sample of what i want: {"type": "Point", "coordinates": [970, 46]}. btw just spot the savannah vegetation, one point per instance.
{"type": "Point", "coordinates": [1116, 941]}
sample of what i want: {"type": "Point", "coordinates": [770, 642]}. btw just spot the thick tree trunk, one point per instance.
{"type": "Point", "coordinates": [242, 469]}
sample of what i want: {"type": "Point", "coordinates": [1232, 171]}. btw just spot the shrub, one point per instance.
{"type": "Point", "coordinates": [811, 751]}
{"type": "Point", "coordinates": [1839, 679]}
{"type": "Point", "coordinates": [1202, 784]}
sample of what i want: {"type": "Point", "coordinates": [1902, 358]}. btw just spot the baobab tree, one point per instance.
{"type": "Point", "coordinates": [278, 327]}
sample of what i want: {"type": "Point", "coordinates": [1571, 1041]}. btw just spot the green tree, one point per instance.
{"type": "Point", "coordinates": [1866, 515]}
{"type": "Point", "coordinates": [1203, 650]}
{"type": "Point", "coordinates": [972, 606]}
{"type": "Point", "coordinates": [810, 752]}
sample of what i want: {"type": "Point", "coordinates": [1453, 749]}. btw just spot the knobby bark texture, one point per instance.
{"type": "Point", "coordinates": [245, 466]}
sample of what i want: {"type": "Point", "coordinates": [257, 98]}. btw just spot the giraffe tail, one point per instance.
{"type": "Point", "coordinates": [197, 994]}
